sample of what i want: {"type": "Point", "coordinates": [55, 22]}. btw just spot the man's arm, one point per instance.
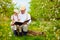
{"type": "Point", "coordinates": [28, 18]}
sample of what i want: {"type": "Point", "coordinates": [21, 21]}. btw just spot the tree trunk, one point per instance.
{"type": "Point", "coordinates": [35, 33]}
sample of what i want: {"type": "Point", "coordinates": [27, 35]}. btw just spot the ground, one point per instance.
{"type": "Point", "coordinates": [7, 34]}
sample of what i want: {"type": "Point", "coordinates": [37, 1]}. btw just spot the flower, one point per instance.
{"type": "Point", "coordinates": [54, 28]}
{"type": "Point", "coordinates": [10, 34]}
{"type": "Point", "coordinates": [56, 11]}
{"type": "Point", "coordinates": [0, 34]}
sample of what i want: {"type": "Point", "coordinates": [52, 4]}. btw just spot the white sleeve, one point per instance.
{"type": "Point", "coordinates": [12, 17]}
{"type": "Point", "coordinates": [29, 17]}
{"type": "Point", "coordinates": [18, 16]}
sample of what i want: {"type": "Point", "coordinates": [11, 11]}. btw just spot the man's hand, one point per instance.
{"type": "Point", "coordinates": [18, 20]}
{"type": "Point", "coordinates": [24, 23]}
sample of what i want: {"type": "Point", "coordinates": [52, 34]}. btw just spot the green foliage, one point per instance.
{"type": "Point", "coordinates": [45, 9]}
{"type": "Point", "coordinates": [43, 12]}
{"type": "Point", "coordinates": [46, 14]}
{"type": "Point", "coordinates": [6, 8]}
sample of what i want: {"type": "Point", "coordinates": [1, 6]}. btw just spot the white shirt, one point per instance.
{"type": "Point", "coordinates": [24, 17]}
{"type": "Point", "coordinates": [14, 17]}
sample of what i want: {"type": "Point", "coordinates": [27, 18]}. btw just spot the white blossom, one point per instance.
{"type": "Point", "coordinates": [0, 6]}
{"type": "Point", "coordinates": [50, 19]}
{"type": "Point", "coordinates": [54, 28]}
{"type": "Point", "coordinates": [58, 0]}
{"type": "Point", "coordinates": [58, 37]}
{"type": "Point", "coordinates": [56, 11]}
{"type": "Point", "coordinates": [10, 34]}
{"type": "Point", "coordinates": [42, 3]}
{"type": "Point", "coordinates": [43, 6]}
{"type": "Point", "coordinates": [53, 19]}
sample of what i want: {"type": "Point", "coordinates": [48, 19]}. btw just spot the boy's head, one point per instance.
{"type": "Point", "coordinates": [16, 11]}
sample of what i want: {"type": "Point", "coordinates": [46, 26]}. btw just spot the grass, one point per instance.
{"type": "Point", "coordinates": [7, 34]}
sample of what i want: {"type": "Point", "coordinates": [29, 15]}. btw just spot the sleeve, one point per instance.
{"type": "Point", "coordinates": [19, 17]}
{"type": "Point", "coordinates": [12, 17]}
{"type": "Point", "coordinates": [29, 17]}
{"type": "Point", "coordinates": [12, 20]}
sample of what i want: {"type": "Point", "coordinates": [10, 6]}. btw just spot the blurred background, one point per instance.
{"type": "Point", "coordinates": [19, 3]}
{"type": "Point", "coordinates": [45, 15]}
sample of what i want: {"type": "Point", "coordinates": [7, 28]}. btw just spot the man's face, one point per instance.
{"type": "Point", "coordinates": [22, 11]}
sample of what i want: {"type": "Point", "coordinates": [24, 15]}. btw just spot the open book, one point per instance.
{"type": "Point", "coordinates": [20, 23]}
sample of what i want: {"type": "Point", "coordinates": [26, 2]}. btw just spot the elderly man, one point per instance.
{"type": "Point", "coordinates": [24, 16]}
{"type": "Point", "coordinates": [14, 18]}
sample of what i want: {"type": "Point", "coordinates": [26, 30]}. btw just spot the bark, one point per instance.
{"type": "Point", "coordinates": [35, 33]}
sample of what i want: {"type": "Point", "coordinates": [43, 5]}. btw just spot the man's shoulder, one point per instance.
{"type": "Point", "coordinates": [24, 14]}
{"type": "Point", "coordinates": [28, 14]}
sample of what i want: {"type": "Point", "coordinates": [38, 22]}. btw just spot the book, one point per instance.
{"type": "Point", "coordinates": [20, 23]}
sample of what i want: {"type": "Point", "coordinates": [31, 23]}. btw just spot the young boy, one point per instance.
{"type": "Point", "coordinates": [14, 18]}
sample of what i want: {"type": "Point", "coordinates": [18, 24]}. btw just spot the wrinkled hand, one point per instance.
{"type": "Point", "coordinates": [18, 20]}
{"type": "Point", "coordinates": [24, 23]}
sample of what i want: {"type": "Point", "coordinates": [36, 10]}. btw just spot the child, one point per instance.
{"type": "Point", "coordinates": [14, 19]}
